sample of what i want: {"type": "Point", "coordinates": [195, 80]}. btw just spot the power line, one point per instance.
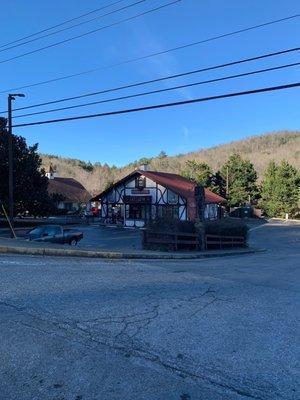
{"type": "Point", "coordinates": [74, 26]}
{"type": "Point", "coordinates": [214, 67]}
{"type": "Point", "coordinates": [60, 24]}
{"type": "Point", "coordinates": [150, 55]}
{"type": "Point", "coordinates": [91, 32]}
{"type": "Point", "coordinates": [164, 105]}
{"type": "Point", "coordinates": [163, 90]}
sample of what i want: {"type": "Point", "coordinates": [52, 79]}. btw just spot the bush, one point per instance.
{"type": "Point", "coordinates": [223, 227]}
{"type": "Point", "coordinates": [226, 227]}
{"type": "Point", "coordinates": [164, 224]}
{"type": "Point", "coordinates": [160, 226]}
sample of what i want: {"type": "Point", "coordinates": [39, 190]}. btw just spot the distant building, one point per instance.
{"type": "Point", "coordinates": [72, 194]}
{"type": "Point", "coordinates": [144, 194]}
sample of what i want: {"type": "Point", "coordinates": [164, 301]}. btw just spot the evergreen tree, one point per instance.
{"type": "Point", "coordinates": [242, 178]}
{"type": "Point", "coordinates": [200, 173]}
{"type": "Point", "coordinates": [280, 189]}
{"type": "Point", "coordinates": [30, 182]}
{"type": "Point", "coordinates": [267, 202]}
{"type": "Point", "coordinates": [162, 154]}
{"type": "Point", "coordinates": [162, 163]}
{"type": "Point", "coordinates": [218, 185]}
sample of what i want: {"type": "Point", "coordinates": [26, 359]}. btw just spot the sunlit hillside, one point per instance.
{"type": "Point", "coordinates": [258, 149]}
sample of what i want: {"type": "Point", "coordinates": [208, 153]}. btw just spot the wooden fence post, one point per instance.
{"type": "Point", "coordinates": [200, 202]}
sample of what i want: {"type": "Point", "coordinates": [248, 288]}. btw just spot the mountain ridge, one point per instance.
{"type": "Point", "coordinates": [260, 150]}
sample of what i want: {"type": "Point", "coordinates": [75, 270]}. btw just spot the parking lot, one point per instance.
{"type": "Point", "coordinates": [113, 239]}
{"type": "Point", "coordinates": [97, 237]}
{"type": "Point", "coordinates": [217, 329]}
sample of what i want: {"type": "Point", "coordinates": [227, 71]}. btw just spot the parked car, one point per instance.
{"type": "Point", "coordinates": [55, 234]}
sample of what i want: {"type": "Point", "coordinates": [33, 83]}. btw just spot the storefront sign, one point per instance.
{"type": "Point", "coordinates": [137, 199]}
{"type": "Point", "coordinates": [137, 191]}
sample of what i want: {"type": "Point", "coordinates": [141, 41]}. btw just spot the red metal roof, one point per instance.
{"type": "Point", "coordinates": [181, 185]}
{"type": "Point", "coordinates": [175, 182]}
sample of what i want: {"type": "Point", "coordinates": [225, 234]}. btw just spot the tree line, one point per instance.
{"type": "Point", "coordinates": [237, 180]}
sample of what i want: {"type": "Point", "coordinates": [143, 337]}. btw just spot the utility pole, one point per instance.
{"type": "Point", "coordinates": [11, 97]}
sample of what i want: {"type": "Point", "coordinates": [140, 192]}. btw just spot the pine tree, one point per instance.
{"type": "Point", "coordinates": [268, 201]}
{"type": "Point", "coordinates": [218, 185]}
{"type": "Point", "coordinates": [200, 173]}
{"type": "Point", "coordinates": [242, 178]}
{"type": "Point", "coordinates": [280, 189]}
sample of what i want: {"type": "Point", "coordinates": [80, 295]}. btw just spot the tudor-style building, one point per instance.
{"type": "Point", "coordinates": [144, 195]}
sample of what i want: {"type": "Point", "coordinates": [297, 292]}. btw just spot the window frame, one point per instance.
{"type": "Point", "coordinates": [175, 199]}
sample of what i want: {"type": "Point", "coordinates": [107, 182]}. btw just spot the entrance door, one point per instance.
{"type": "Point", "coordinates": [139, 211]}
{"type": "Point", "coordinates": [137, 214]}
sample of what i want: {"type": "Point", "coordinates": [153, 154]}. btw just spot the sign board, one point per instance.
{"type": "Point", "coordinates": [137, 191]}
{"type": "Point", "coordinates": [137, 199]}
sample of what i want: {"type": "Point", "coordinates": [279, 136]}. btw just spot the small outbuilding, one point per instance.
{"type": "Point", "coordinates": [144, 195]}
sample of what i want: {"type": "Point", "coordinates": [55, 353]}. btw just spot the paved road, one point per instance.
{"type": "Point", "coordinates": [213, 329]}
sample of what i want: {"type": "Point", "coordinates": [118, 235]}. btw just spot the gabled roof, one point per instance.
{"type": "Point", "coordinates": [70, 189]}
{"type": "Point", "coordinates": [177, 183]}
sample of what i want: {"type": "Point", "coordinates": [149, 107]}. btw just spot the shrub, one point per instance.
{"type": "Point", "coordinates": [226, 227]}
{"type": "Point", "coordinates": [160, 226]}
{"type": "Point", "coordinates": [165, 224]}
{"type": "Point", "coordinates": [223, 227]}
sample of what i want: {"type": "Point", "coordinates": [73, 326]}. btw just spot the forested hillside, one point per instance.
{"type": "Point", "coordinates": [258, 149]}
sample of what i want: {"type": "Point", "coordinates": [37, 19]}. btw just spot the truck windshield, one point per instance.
{"type": "Point", "coordinates": [52, 230]}
{"type": "Point", "coordinates": [37, 231]}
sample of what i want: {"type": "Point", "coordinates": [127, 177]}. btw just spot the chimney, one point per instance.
{"type": "Point", "coordinates": [51, 174]}
{"type": "Point", "coordinates": [144, 167]}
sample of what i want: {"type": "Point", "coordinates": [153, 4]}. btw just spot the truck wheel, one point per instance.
{"type": "Point", "coordinates": [73, 242]}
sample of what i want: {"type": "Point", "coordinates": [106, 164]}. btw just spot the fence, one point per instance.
{"type": "Point", "coordinates": [171, 239]}
{"type": "Point", "coordinates": [224, 241]}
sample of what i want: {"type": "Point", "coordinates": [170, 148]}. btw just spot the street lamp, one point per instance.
{"type": "Point", "coordinates": [11, 97]}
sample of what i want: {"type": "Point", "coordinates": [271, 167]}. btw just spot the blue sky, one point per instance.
{"type": "Point", "coordinates": [121, 139]}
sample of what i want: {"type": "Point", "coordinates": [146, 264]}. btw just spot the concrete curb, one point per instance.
{"type": "Point", "coordinates": [120, 255]}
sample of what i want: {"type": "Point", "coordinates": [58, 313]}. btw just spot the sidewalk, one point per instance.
{"type": "Point", "coordinates": [19, 246]}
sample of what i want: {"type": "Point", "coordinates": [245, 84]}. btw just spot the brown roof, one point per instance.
{"type": "Point", "coordinates": [181, 185]}
{"type": "Point", "coordinates": [176, 183]}
{"type": "Point", "coordinates": [71, 189]}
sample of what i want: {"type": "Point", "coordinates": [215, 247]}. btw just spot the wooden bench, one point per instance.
{"type": "Point", "coordinates": [173, 239]}
{"type": "Point", "coordinates": [221, 241]}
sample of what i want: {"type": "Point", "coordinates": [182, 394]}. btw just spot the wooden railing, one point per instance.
{"type": "Point", "coordinates": [222, 241]}
{"type": "Point", "coordinates": [172, 239]}
{"type": "Point", "coordinates": [175, 240]}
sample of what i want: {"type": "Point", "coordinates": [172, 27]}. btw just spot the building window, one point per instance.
{"type": "Point", "coordinates": [168, 212]}
{"type": "Point", "coordinates": [138, 211]}
{"type": "Point", "coordinates": [111, 196]}
{"type": "Point", "coordinates": [211, 212]}
{"type": "Point", "coordinates": [172, 197]}
{"type": "Point", "coordinates": [140, 183]}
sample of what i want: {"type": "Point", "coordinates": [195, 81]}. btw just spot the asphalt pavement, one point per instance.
{"type": "Point", "coordinates": [223, 328]}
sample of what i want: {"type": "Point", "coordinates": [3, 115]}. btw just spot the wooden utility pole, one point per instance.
{"type": "Point", "coordinates": [13, 234]}
{"type": "Point", "coordinates": [10, 98]}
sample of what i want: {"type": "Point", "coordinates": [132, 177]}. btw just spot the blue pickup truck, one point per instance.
{"type": "Point", "coordinates": [55, 234]}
